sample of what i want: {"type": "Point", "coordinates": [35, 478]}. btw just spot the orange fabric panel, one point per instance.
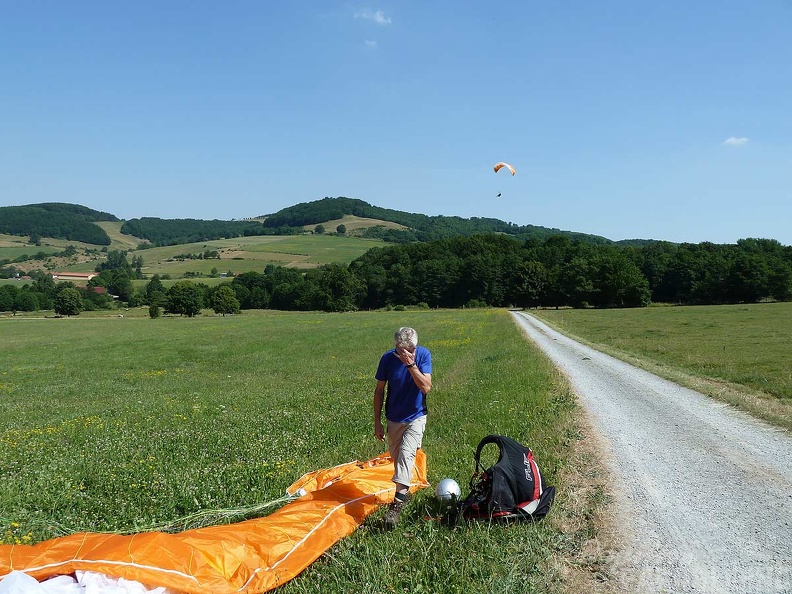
{"type": "Point", "coordinates": [251, 556]}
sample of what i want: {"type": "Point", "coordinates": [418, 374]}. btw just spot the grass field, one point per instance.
{"type": "Point", "coordinates": [244, 254]}
{"type": "Point", "coordinates": [12, 253]}
{"type": "Point", "coordinates": [117, 424]}
{"type": "Point", "coordinates": [14, 246]}
{"type": "Point", "coordinates": [738, 353]}
{"type": "Point", "coordinates": [118, 240]}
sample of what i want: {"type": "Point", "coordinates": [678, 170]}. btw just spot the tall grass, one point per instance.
{"type": "Point", "coordinates": [731, 348]}
{"type": "Point", "coordinates": [117, 424]}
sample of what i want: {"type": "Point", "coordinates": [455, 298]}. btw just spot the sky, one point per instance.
{"type": "Point", "coordinates": [625, 119]}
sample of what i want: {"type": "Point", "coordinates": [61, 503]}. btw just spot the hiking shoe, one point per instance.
{"type": "Point", "coordinates": [394, 511]}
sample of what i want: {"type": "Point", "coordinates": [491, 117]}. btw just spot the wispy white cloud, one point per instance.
{"type": "Point", "coordinates": [370, 43]}
{"type": "Point", "coordinates": [376, 16]}
{"type": "Point", "coordinates": [735, 140]}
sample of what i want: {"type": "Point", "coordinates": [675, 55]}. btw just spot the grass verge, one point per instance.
{"type": "Point", "coordinates": [738, 354]}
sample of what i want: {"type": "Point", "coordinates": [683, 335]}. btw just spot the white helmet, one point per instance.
{"type": "Point", "coordinates": [447, 490]}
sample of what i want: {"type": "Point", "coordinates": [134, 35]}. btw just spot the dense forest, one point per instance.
{"type": "Point", "coordinates": [56, 220]}
{"type": "Point", "coordinates": [478, 271]}
{"type": "Point", "coordinates": [161, 232]}
{"type": "Point", "coordinates": [496, 270]}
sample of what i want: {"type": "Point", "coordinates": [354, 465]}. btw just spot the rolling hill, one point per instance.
{"type": "Point", "coordinates": [78, 223]}
{"type": "Point", "coordinates": [56, 220]}
{"type": "Point", "coordinates": [36, 236]}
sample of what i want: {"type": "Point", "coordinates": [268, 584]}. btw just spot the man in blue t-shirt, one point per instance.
{"type": "Point", "coordinates": [406, 370]}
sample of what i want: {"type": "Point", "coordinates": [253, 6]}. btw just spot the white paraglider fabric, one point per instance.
{"type": "Point", "coordinates": [83, 582]}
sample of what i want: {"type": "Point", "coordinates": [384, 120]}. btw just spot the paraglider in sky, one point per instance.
{"type": "Point", "coordinates": [499, 166]}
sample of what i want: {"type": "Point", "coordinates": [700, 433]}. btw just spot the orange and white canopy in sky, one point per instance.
{"type": "Point", "coordinates": [501, 165]}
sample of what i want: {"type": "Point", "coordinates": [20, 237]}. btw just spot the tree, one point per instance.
{"type": "Point", "coordinates": [341, 229]}
{"type": "Point", "coordinates": [68, 302]}
{"type": "Point", "coordinates": [341, 290]}
{"type": "Point", "coordinates": [45, 287]}
{"type": "Point", "coordinates": [8, 296]}
{"type": "Point", "coordinates": [184, 298]}
{"type": "Point", "coordinates": [319, 229]}
{"type": "Point", "coordinates": [116, 260]}
{"type": "Point", "coordinates": [27, 301]}
{"type": "Point", "coordinates": [137, 264]}
{"type": "Point", "coordinates": [155, 291]}
{"type": "Point", "coordinates": [224, 300]}
{"type": "Point", "coordinates": [154, 311]}
{"type": "Point", "coordinates": [121, 285]}
{"type": "Point", "coordinates": [529, 280]}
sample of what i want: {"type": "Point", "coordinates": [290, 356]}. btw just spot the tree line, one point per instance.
{"type": "Point", "coordinates": [164, 232]}
{"type": "Point", "coordinates": [478, 271]}
{"type": "Point", "coordinates": [499, 271]}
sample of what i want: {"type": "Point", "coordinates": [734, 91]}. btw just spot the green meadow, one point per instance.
{"type": "Point", "coordinates": [123, 424]}
{"type": "Point", "coordinates": [14, 252]}
{"type": "Point", "coordinates": [244, 254]}
{"type": "Point", "coordinates": [240, 254]}
{"type": "Point", "coordinates": [737, 353]}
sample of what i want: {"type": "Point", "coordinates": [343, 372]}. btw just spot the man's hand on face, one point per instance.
{"type": "Point", "coordinates": [406, 355]}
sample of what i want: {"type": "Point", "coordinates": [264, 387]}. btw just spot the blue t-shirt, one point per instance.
{"type": "Point", "coordinates": [404, 402]}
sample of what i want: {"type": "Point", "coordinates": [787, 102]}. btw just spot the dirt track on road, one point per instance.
{"type": "Point", "coordinates": [702, 492]}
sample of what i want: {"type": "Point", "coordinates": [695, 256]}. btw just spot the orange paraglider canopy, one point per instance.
{"type": "Point", "coordinates": [252, 556]}
{"type": "Point", "coordinates": [501, 165]}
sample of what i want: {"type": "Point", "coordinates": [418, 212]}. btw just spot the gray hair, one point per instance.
{"type": "Point", "coordinates": [406, 337]}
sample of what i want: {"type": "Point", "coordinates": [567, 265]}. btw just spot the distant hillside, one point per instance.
{"type": "Point", "coordinates": [56, 220]}
{"type": "Point", "coordinates": [77, 223]}
{"type": "Point", "coordinates": [419, 227]}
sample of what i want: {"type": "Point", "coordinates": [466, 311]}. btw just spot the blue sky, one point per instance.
{"type": "Point", "coordinates": [665, 120]}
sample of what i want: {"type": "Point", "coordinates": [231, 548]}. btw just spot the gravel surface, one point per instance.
{"type": "Point", "coordinates": [703, 492]}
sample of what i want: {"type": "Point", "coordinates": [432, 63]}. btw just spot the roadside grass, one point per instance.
{"type": "Point", "coordinates": [111, 424]}
{"type": "Point", "coordinates": [739, 354]}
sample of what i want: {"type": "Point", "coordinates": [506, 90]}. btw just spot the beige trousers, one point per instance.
{"type": "Point", "coordinates": [404, 439]}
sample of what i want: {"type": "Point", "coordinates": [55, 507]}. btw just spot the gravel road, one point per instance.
{"type": "Point", "coordinates": [703, 492]}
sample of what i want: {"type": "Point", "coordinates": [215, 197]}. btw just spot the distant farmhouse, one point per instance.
{"type": "Point", "coordinates": [77, 277]}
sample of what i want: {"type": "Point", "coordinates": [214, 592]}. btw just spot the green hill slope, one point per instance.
{"type": "Point", "coordinates": [419, 227]}
{"type": "Point", "coordinates": [56, 220]}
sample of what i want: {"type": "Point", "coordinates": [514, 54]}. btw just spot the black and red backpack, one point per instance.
{"type": "Point", "coordinates": [511, 489]}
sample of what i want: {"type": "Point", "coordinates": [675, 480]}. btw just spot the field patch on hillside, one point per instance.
{"type": "Point", "coordinates": [353, 224]}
